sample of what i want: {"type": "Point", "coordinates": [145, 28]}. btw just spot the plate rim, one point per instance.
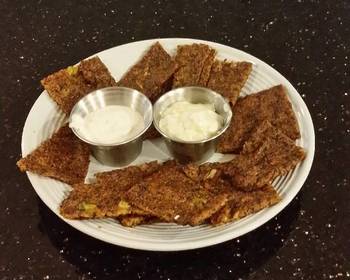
{"type": "Point", "coordinates": [190, 245]}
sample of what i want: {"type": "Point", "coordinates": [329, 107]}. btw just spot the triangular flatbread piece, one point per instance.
{"type": "Point", "coordinates": [267, 154]}
{"type": "Point", "coordinates": [270, 105]}
{"type": "Point", "coordinates": [242, 204]}
{"type": "Point", "coordinates": [172, 196]}
{"type": "Point", "coordinates": [194, 63]}
{"type": "Point", "coordinates": [67, 86]}
{"type": "Point", "coordinates": [228, 78]}
{"type": "Point", "coordinates": [105, 197]}
{"type": "Point", "coordinates": [63, 157]}
{"type": "Point", "coordinates": [152, 74]}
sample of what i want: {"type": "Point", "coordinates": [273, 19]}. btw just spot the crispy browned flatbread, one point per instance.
{"type": "Point", "coordinates": [267, 154]}
{"type": "Point", "coordinates": [95, 73]}
{"type": "Point", "coordinates": [210, 175]}
{"type": "Point", "coordinates": [194, 64]}
{"type": "Point", "coordinates": [206, 70]}
{"type": "Point", "coordinates": [204, 171]}
{"type": "Point", "coordinates": [228, 78]}
{"type": "Point", "coordinates": [152, 75]}
{"type": "Point", "coordinates": [63, 157]}
{"type": "Point", "coordinates": [69, 85]}
{"type": "Point", "coordinates": [173, 197]}
{"type": "Point", "coordinates": [66, 88]}
{"type": "Point", "coordinates": [133, 220]}
{"type": "Point", "coordinates": [271, 105]}
{"type": "Point", "coordinates": [88, 201]}
{"type": "Point", "coordinates": [127, 176]}
{"type": "Point", "coordinates": [104, 198]}
{"type": "Point", "coordinates": [242, 204]}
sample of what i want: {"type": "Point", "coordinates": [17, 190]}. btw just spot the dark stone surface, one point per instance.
{"type": "Point", "coordinates": [307, 41]}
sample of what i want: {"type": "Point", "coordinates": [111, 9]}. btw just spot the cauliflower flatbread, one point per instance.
{"type": "Point", "coordinates": [270, 105]}
{"type": "Point", "coordinates": [63, 157]}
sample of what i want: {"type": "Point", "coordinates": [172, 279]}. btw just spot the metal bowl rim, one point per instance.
{"type": "Point", "coordinates": [104, 90]}
{"type": "Point", "coordinates": [166, 95]}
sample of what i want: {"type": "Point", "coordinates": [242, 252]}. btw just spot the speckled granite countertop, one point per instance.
{"type": "Point", "coordinates": [307, 41]}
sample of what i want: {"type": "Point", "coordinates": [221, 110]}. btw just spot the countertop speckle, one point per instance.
{"type": "Point", "coordinates": [307, 41]}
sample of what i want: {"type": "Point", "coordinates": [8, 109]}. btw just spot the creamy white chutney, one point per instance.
{"type": "Point", "coordinates": [190, 122]}
{"type": "Point", "coordinates": [109, 125]}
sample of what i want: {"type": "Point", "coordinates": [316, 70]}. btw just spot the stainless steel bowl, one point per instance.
{"type": "Point", "coordinates": [119, 154]}
{"type": "Point", "coordinates": [196, 151]}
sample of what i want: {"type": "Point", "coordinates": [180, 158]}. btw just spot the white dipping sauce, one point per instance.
{"type": "Point", "coordinates": [190, 122]}
{"type": "Point", "coordinates": [109, 125]}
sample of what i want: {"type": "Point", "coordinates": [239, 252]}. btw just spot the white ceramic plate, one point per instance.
{"type": "Point", "coordinates": [45, 118]}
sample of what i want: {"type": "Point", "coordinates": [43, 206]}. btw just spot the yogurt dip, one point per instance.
{"type": "Point", "coordinates": [190, 122]}
{"type": "Point", "coordinates": [109, 125]}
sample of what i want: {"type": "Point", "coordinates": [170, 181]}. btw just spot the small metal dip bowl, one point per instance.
{"type": "Point", "coordinates": [121, 153]}
{"type": "Point", "coordinates": [192, 151]}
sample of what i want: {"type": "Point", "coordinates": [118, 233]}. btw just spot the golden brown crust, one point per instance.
{"type": "Point", "coordinates": [151, 75]}
{"type": "Point", "coordinates": [88, 201]}
{"type": "Point", "coordinates": [204, 171]}
{"type": "Point", "coordinates": [63, 157]}
{"type": "Point", "coordinates": [267, 154]}
{"type": "Point", "coordinates": [173, 197]}
{"type": "Point", "coordinates": [104, 198]}
{"type": "Point", "coordinates": [205, 73]}
{"type": "Point", "coordinates": [242, 204]}
{"type": "Point", "coordinates": [65, 89]}
{"type": "Point", "coordinates": [228, 78]}
{"type": "Point", "coordinates": [95, 73]}
{"type": "Point", "coordinates": [127, 176]}
{"type": "Point", "coordinates": [210, 175]}
{"type": "Point", "coordinates": [170, 192]}
{"type": "Point", "coordinates": [272, 105]}
{"type": "Point", "coordinates": [133, 220]}
{"type": "Point", "coordinates": [67, 86]}
{"type": "Point", "coordinates": [194, 62]}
